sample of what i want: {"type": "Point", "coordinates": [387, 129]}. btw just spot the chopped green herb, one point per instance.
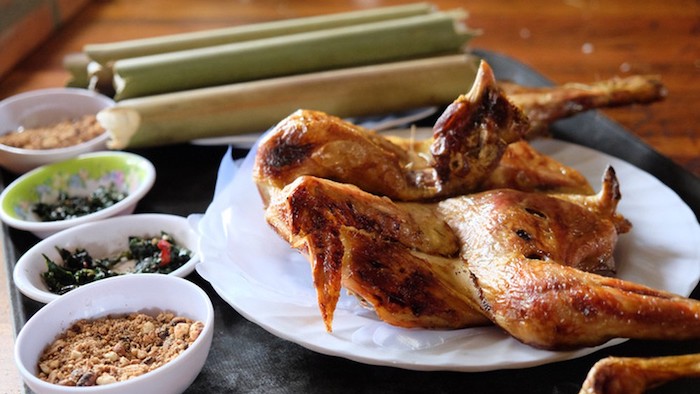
{"type": "Point", "coordinates": [69, 207]}
{"type": "Point", "coordinates": [145, 255]}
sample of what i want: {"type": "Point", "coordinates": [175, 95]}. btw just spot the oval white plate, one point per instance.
{"type": "Point", "coordinates": [270, 283]}
{"type": "Point", "coordinates": [102, 238]}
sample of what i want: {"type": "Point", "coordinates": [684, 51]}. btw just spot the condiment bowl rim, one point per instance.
{"type": "Point", "coordinates": [31, 257]}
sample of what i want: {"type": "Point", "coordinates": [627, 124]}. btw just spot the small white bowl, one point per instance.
{"type": "Point", "coordinates": [116, 296]}
{"type": "Point", "coordinates": [100, 239]}
{"type": "Point", "coordinates": [44, 107]}
{"type": "Point", "coordinates": [79, 176]}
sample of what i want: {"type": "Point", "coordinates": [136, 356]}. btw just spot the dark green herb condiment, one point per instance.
{"type": "Point", "coordinates": [69, 207]}
{"type": "Point", "coordinates": [148, 255]}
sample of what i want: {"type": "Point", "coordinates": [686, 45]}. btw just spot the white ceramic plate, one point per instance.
{"type": "Point", "coordinates": [270, 283]}
{"type": "Point", "coordinates": [101, 239]}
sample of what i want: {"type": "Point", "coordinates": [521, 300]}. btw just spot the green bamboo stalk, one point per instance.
{"type": "Point", "coordinates": [385, 41]}
{"type": "Point", "coordinates": [253, 107]}
{"type": "Point", "coordinates": [105, 53]}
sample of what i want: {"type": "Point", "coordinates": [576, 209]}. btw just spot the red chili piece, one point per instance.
{"type": "Point", "coordinates": [165, 249]}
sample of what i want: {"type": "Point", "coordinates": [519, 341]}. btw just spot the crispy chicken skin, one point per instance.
{"type": "Point", "coordinates": [528, 255]}
{"type": "Point", "coordinates": [329, 221]}
{"type": "Point", "coordinates": [470, 136]}
{"type": "Point", "coordinates": [405, 287]}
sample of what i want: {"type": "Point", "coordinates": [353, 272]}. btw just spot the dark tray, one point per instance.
{"type": "Point", "coordinates": [247, 359]}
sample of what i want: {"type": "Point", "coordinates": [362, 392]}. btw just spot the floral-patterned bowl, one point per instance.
{"type": "Point", "coordinates": [87, 188]}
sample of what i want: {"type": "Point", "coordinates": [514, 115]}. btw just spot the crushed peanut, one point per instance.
{"type": "Point", "coordinates": [59, 135]}
{"type": "Point", "coordinates": [116, 348]}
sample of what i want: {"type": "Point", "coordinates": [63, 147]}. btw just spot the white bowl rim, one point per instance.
{"type": "Point", "coordinates": [36, 319]}
{"type": "Point", "coordinates": [108, 102]}
{"type": "Point", "coordinates": [133, 197]}
{"type": "Point", "coordinates": [24, 285]}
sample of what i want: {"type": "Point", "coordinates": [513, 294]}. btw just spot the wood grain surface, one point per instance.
{"type": "Point", "coordinates": [567, 40]}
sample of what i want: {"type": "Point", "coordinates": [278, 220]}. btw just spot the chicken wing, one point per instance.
{"type": "Point", "coordinates": [311, 212]}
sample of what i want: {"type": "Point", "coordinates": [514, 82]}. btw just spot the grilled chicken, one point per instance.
{"type": "Point", "coordinates": [391, 220]}
{"type": "Point", "coordinates": [636, 375]}
{"type": "Point", "coordinates": [467, 144]}
{"type": "Point", "coordinates": [524, 168]}
{"type": "Point", "coordinates": [310, 212]}
{"type": "Point", "coordinates": [526, 262]}
{"type": "Point", "coordinates": [472, 147]}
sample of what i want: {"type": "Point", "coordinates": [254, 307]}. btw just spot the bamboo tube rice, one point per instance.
{"type": "Point", "coordinates": [349, 46]}
{"type": "Point", "coordinates": [255, 106]}
{"type": "Point", "coordinates": [107, 53]}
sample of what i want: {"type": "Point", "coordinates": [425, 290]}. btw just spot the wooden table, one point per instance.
{"type": "Point", "coordinates": [574, 40]}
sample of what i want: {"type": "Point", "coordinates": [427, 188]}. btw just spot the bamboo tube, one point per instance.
{"type": "Point", "coordinates": [77, 66]}
{"type": "Point", "coordinates": [106, 53]}
{"type": "Point", "coordinates": [386, 41]}
{"type": "Point", "coordinates": [101, 78]}
{"type": "Point", "coordinates": [255, 106]}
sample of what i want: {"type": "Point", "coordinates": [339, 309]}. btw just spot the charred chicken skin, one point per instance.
{"type": "Point", "coordinates": [393, 221]}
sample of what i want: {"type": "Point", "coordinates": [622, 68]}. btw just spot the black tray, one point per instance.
{"type": "Point", "coordinates": [247, 359]}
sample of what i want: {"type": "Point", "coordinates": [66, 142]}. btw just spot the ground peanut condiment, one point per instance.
{"type": "Point", "coordinates": [116, 348]}
{"type": "Point", "coordinates": [58, 135]}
